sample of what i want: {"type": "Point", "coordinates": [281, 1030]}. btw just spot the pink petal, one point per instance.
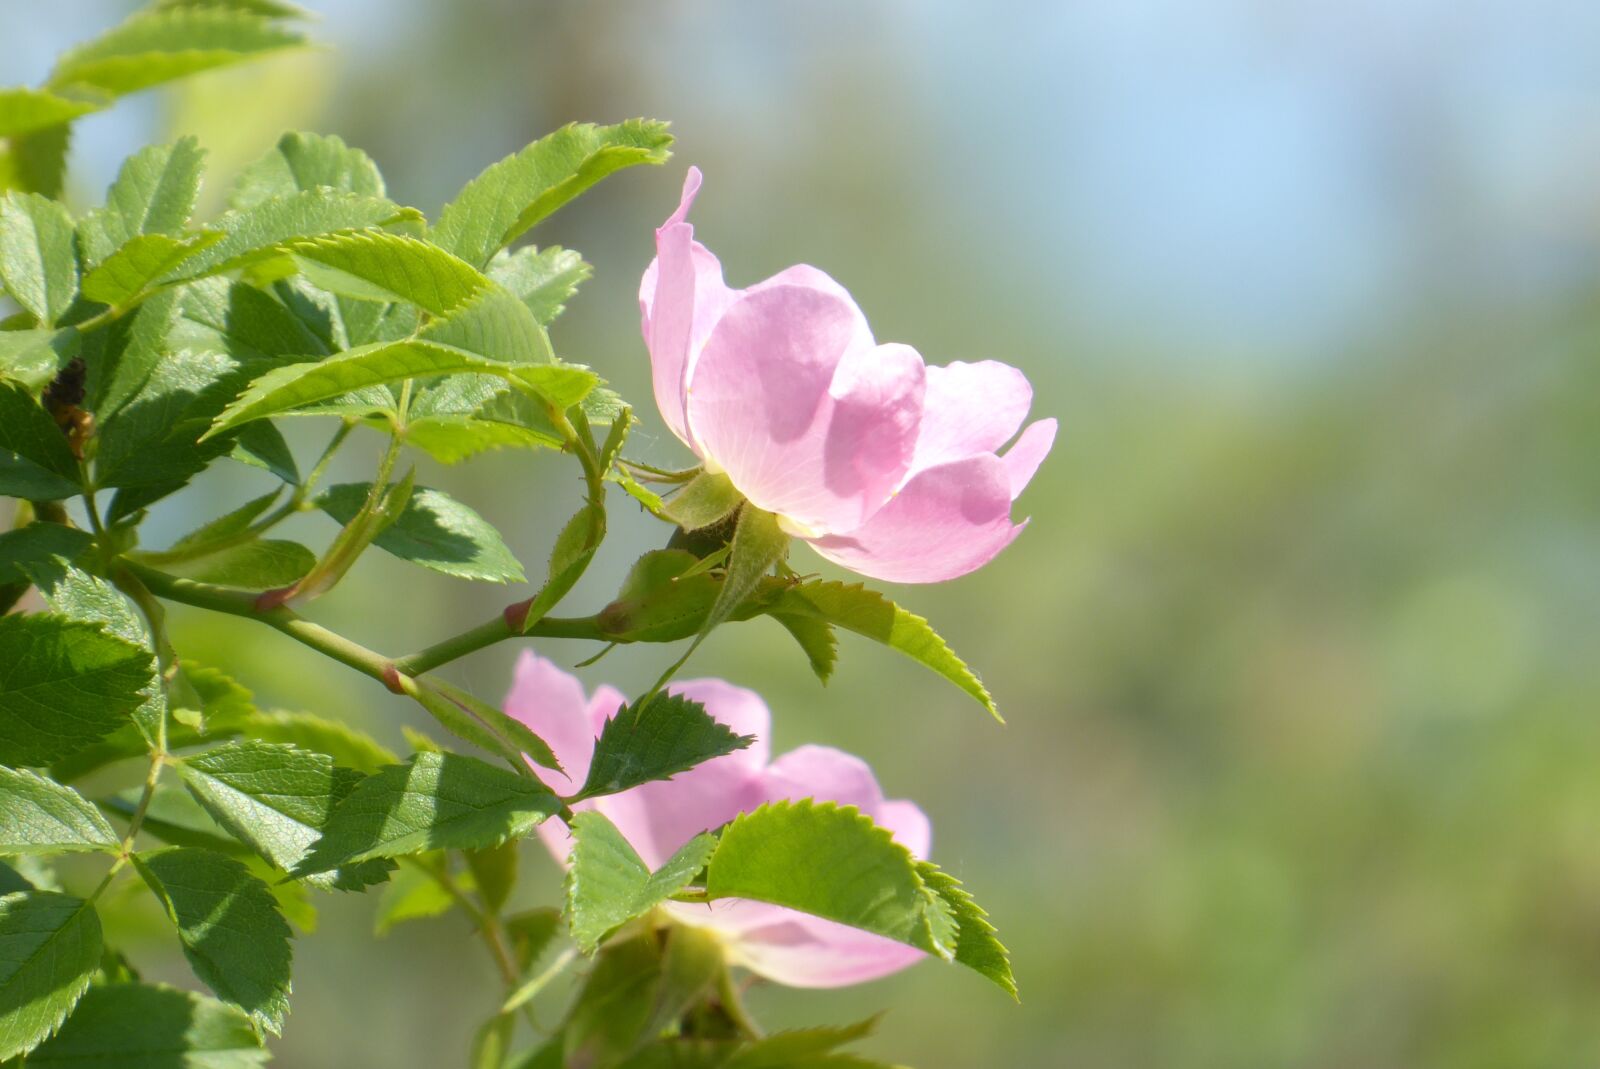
{"type": "Point", "coordinates": [823, 773]}
{"type": "Point", "coordinates": [552, 704]}
{"type": "Point", "coordinates": [681, 297]}
{"type": "Point", "coordinates": [795, 948]}
{"type": "Point", "coordinates": [945, 522]}
{"type": "Point", "coordinates": [603, 706]}
{"type": "Point", "coordinates": [908, 823]}
{"type": "Point", "coordinates": [806, 416]}
{"type": "Point", "coordinates": [1024, 458]}
{"type": "Point", "coordinates": [658, 818]}
{"type": "Point", "coordinates": [736, 707]}
{"type": "Point", "coordinates": [970, 409]}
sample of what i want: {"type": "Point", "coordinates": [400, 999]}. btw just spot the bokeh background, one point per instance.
{"type": "Point", "coordinates": [1302, 765]}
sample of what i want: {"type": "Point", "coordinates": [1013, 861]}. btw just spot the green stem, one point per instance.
{"type": "Point", "coordinates": [733, 1006]}
{"type": "Point", "coordinates": [528, 991]}
{"type": "Point", "coordinates": [369, 662]}
{"type": "Point", "coordinates": [495, 630]}
{"type": "Point", "coordinates": [321, 465]}
{"type": "Point", "coordinates": [167, 660]}
{"type": "Point", "coordinates": [243, 603]}
{"type": "Point", "coordinates": [488, 925]}
{"type": "Point", "coordinates": [135, 822]}
{"type": "Point", "coordinates": [661, 475]}
{"type": "Point", "coordinates": [295, 504]}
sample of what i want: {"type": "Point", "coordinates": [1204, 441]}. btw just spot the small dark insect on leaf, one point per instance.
{"type": "Point", "coordinates": [62, 398]}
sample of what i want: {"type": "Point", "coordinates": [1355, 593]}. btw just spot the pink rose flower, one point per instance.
{"type": "Point", "coordinates": [886, 466]}
{"type": "Point", "coordinates": [660, 817]}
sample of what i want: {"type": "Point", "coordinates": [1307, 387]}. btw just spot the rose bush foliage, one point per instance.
{"type": "Point", "coordinates": [142, 346]}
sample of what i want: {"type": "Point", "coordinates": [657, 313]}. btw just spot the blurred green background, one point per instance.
{"type": "Point", "coordinates": [1302, 765]}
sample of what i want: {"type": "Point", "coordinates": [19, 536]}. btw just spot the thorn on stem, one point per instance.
{"type": "Point", "coordinates": [391, 678]}
{"type": "Point", "coordinates": [275, 599]}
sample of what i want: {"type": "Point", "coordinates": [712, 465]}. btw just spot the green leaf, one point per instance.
{"type": "Point", "coordinates": [264, 564]}
{"type": "Point", "coordinates": [543, 279]}
{"type": "Point", "coordinates": [262, 445]}
{"type": "Point", "coordinates": [49, 949]}
{"type": "Point", "coordinates": [11, 880]}
{"type": "Point", "coordinates": [24, 110]}
{"type": "Point", "coordinates": [272, 797]}
{"type": "Point", "coordinates": [451, 438]}
{"type": "Point", "coordinates": [37, 162]}
{"type": "Point", "coordinates": [173, 816]}
{"type": "Point", "coordinates": [35, 462]}
{"type": "Point", "coordinates": [38, 258]}
{"type": "Point", "coordinates": [434, 801]}
{"type": "Point", "coordinates": [470, 414]}
{"type": "Point", "coordinates": [76, 595]}
{"type": "Point", "coordinates": [260, 231]}
{"type": "Point", "coordinates": [151, 443]}
{"type": "Point", "coordinates": [531, 932]}
{"type": "Point", "coordinates": [660, 601]}
{"type": "Point", "coordinates": [479, 723]}
{"type": "Point", "coordinates": [977, 945]}
{"type": "Point", "coordinates": [276, 9]}
{"type": "Point", "coordinates": [615, 1006]}
{"type": "Point", "coordinates": [817, 639]}
{"type": "Point", "coordinates": [43, 817]}
{"type": "Point", "coordinates": [153, 47]}
{"type": "Point", "coordinates": [138, 264]}
{"type": "Point", "coordinates": [153, 195]}
{"type": "Point", "coordinates": [34, 357]}
{"type": "Point", "coordinates": [494, 324]}
{"type": "Point", "coordinates": [412, 895]}
{"type": "Point", "coordinates": [869, 613]}
{"type": "Point", "coordinates": [307, 161]}
{"type": "Point", "coordinates": [803, 1048]}
{"type": "Point", "coordinates": [39, 544]}
{"type": "Point", "coordinates": [207, 699]}
{"type": "Point", "coordinates": [494, 870]}
{"type": "Point", "coordinates": [63, 685]}
{"type": "Point", "coordinates": [569, 557]}
{"type": "Point", "coordinates": [247, 323]}
{"type": "Point", "coordinates": [375, 265]}
{"type": "Point", "coordinates": [435, 531]}
{"type": "Point", "coordinates": [123, 357]}
{"type": "Point", "coordinates": [347, 746]}
{"type": "Point", "coordinates": [653, 740]}
{"type": "Point", "coordinates": [608, 884]}
{"type": "Point", "coordinates": [637, 991]}
{"type": "Point", "coordinates": [833, 862]}
{"type": "Point", "coordinates": [151, 1026]}
{"type": "Point", "coordinates": [704, 501]}
{"type": "Point", "coordinates": [235, 939]}
{"type": "Point", "coordinates": [511, 196]}
{"type": "Point", "coordinates": [299, 385]}
{"type": "Point", "coordinates": [224, 528]}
